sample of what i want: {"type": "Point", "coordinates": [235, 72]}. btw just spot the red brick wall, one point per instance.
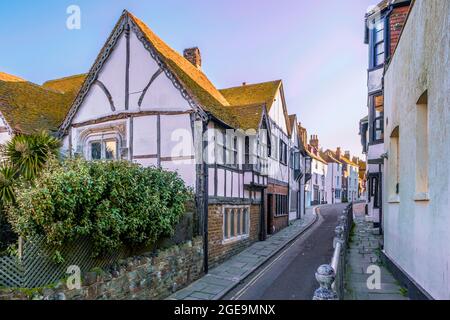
{"type": "Point", "coordinates": [397, 21]}
{"type": "Point", "coordinates": [281, 222]}
{"type": "Point", "coordinates": [218, 251]}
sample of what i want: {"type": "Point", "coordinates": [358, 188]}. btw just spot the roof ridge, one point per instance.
{"type": "Point", "coordinates": [65, 78]}
{"type": "Point", "coordinates": [253, 84]}
{"type": "Point", "coordinates": [7, 77]}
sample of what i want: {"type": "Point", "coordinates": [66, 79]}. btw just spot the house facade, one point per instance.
{"type": "Point", "coordinates": [316, 192]}
{"type": "Point", "coordinates": [143, 102]}
{"type": "Point", "coordinates": [296, 170]}
{"type": "Point", "coordinates": [333, 180]}
{"type": "Point", "coordinates": [417, 167]}
{"type": "Point", "coordinates": [383, 25]}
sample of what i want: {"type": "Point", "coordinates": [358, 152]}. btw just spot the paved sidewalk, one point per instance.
{"type": "Point", "coordinates": [364, 251]}
{"type": "Point", "coordinates": [220, 280]}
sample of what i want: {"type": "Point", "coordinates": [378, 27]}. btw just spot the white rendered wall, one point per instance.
{"type": "Point", "coordinates": [417, 235]}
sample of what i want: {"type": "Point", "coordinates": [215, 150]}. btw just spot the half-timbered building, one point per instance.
{"type": "Point", "coordinates": [141, 101]}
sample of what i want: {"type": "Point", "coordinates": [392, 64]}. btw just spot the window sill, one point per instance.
{"type": "Point", "coordinates": [281, 215]}
{"type": "Point", "coordinates": [394, 199]}
{"type": "Point", "coordinates": [422, 197]}
{"type": "Point", "coordinates": [235, 239]}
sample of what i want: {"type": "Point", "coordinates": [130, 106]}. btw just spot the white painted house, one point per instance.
{"type": "Point", "coordinates": [417, 169]}
{"type": "Point", "coordinates": [316, 191]}
{"type": "Point", "coordinates": [333, 181]}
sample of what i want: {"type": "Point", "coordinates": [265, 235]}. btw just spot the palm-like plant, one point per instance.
{"type": "Point", "coordinates": [8, 176]}
{"type": "Point", "coordinates": [29, 153]}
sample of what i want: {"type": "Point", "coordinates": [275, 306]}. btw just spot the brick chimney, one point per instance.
{"type": "Point", "coordinates": [193, 56]}
{"type": "Point", "coordinates": [347, 155]}
{"type": "Point", "coordinates": [314, 141]}
{"type": "Point", "coordinates": [338, 153]}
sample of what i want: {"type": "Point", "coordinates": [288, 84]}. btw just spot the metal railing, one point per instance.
{"type": "Point", "coordinates": [331, 276]}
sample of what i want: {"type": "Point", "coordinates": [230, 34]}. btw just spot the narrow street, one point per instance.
{"type": "Point", "coordinates": [290, 274]}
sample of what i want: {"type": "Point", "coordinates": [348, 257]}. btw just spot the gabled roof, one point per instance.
{"type": "Point", "coordinates": [253, 93]}
{"type": "Point", "coordinates": [28, 107]}
{"type": "Point", "coordinates": [192, 77]}
{"type": "Point", "coordinates": [58, 100]}
{"type": "Point", "coordinates": [348, 161]}
{"type": "Point", "coordinates": [315, 156]}
{"type": "Point", "coordinates": [196, 83]}
{"type": "Point", "coordinates": [258, 93]}
{"type": "Point", "coordinates": [330, 157]}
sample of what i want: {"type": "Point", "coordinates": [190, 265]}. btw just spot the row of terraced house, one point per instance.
{"type": "Point", "coordinates": [245, 157]}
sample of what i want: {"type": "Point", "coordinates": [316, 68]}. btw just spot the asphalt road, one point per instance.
{"type": "Point", "coordinates": [290, 274]}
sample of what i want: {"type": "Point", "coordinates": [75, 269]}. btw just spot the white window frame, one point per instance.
{"type": "Point", "coordinates": [238, 237]}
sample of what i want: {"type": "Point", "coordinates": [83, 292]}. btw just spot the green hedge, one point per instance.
{"type": "Point", "coordinates": [115, 203]}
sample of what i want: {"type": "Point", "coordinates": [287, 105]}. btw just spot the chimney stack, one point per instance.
{"type": "Point", "coordinates": [193, 56]}
{"type": "Point", "coordinates": [347, 154]}
{"type": "Point", "coordinates": [338, 153]}
{"type": "Point", "coordinates": [314, 141]}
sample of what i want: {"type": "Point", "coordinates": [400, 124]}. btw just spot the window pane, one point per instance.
{"type": "Point", "coordinates": [232, 217]}
{"type": "Point", "coordinates": [379, 36]}
{"type": "Point", "coordinates": [238, 219]}
{"type": "Point", "coordinates": [245, 226]}
{"type": "Point", "coordinates": [226, 224]}
{"type": "Point", "coordinates": [379, 59]}
{"type": "Point", "coordinates": [111, 150]}
{"type": "Point", "coordinates": [96, 150]}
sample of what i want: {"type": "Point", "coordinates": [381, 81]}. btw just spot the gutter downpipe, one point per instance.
{"type": "Point", "coordinates": [205, 202]}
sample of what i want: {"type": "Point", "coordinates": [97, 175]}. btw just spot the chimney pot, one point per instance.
{"type": "Point", "coordinates": [193, 56]}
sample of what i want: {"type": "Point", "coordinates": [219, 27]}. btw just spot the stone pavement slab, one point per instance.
{"type": "Point", "coordinates": [364, 251]}
{"type": "Point", "coordinates": [220, 280]}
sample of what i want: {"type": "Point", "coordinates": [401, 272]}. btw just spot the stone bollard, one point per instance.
{"type": "Point", "coordinates": [343, 220]}
{"type": "Point", "coordinates": [325, 275]}
{"type": "Point", "coordinates": [339, 232]}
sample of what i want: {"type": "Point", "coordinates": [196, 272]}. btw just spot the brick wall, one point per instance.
{"type": "Point", "coordinates": [396, 23]}
{"type": "Point", "coordinates": [280, 222]}
{"type": "Point", "coordinates": [219, 251]}
{"type": "Point", "coordinates": [151, 276]}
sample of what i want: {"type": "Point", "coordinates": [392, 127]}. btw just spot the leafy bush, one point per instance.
{"type": "Point", "coordinates": [24, 156]}
{"type": "Point", "coordinates": [115, 203]}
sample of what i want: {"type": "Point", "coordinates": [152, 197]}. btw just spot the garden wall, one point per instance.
{"type": "Point", "coordinates": [151, 276]}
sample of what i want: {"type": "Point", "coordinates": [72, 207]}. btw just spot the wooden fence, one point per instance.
{"type": "Point", "coordinates": [36, 267]}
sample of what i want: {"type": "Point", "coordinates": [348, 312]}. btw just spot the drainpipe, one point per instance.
{"type": "Point", "coordinates": [262, 234]}
{"type": "Point", "coordinates": [205, 201]}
